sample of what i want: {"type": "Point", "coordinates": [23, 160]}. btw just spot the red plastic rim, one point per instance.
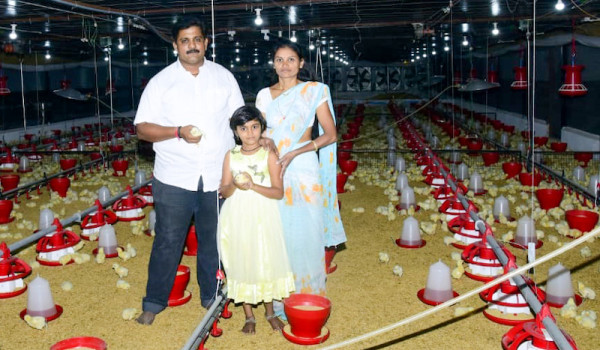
{"type": "Point", "coordinates": [59, 311]}
{"type": "Point", "coordinates": [538, 244]}
{"type": "Point", "coordinates": [14, 293]}
{"type": "Point", "coordinates": [423, 243]}
{"type": "Point", "coordinates": [421, 296]}
{"type": "Point", "coordinates": [187, 296]}
{"type": "Point", "coordinates": [505, 321]}
{"type": "Point", "coordinates": [332, 267]}
{"type": "Point", "coordinates": [287, 333]}
{"type": "Point", "coordinates": [480, 278]}
{"type": "Point", "coordinates": [74, 343]}
{"type": "Point", "coordinates": [114, 255]}
{"type": "Point", "coordinates": [11, 219]}
{"type": "Point", "coordinates": [51, 263]}
{"type": "Point", "coordinates": [578, 300]}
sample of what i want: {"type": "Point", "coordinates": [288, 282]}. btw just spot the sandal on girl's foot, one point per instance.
{"type": "Point", "coordinates": [275, 322]}
{"type": "Point", "coordinates": [249, 326]}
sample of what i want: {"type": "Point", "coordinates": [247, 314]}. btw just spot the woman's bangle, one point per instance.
{"type": "Point", "coordinates": [315, 144]}
{"type": "Point", "coordinates": [177, 131]}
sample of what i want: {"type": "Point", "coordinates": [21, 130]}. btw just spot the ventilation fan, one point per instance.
{"type": "Point", "coordinates": [359, 79]}
{"type": "Point", "coordinates": [395, 79]}
{"type": "Point", "coordinates": [381, 79]}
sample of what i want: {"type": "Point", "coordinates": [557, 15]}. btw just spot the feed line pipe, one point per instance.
{"type": "Point", "coordinates": [528, 294]}
{"type": "Point", "coordinates": [77, 217]}
{"type": "Point", "coordinates": [32, 185]}
{"type": "Point", "coordinates": [213, 313]}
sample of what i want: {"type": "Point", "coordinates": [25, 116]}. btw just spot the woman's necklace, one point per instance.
{"type": "Point", "coordinates": [250, 150]}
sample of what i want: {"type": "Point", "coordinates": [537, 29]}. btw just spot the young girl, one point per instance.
{"type": "Point", "coordinates": [250, 233]}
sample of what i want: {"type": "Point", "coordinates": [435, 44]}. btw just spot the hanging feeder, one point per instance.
{"type": "Point", "coordinates": [92, 223]}
{"type": "Point", "coordinates": [464, 231]}
{"type": "Point", "coordinates": [130, 207]}
{"type": "Point", "coordinates": [483, 265]}
{"type": "Point", "coordinates": [492, 77]}
{"type": "Point", "coordinates": [54, 246]}
{"type": "Point", "coordinates": [506, 304]}
{"type": "Point", "coordinates": [533, 335]}
{"type": "Point", "coordinates": [573, 86]}
{"type": "Point", "coordinates": [12, 272]}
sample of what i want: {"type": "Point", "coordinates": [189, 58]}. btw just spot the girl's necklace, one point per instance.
{"type": "Point", "coordinates": [251, 150]}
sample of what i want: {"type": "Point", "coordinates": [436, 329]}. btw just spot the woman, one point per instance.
{"type": "Point", "coordinates": [309, 209]}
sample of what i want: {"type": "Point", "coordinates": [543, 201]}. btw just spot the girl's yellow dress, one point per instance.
{"type": "Point", "coordinates": [250, 237]}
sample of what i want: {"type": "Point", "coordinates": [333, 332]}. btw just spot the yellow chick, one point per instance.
{"type": "Point", "coordinates": [34, 264]}
{"type": "Point", "coordinates": [123, 254]}
{"type": "Point", "coordinates": [585, 252]}
{"type": "Point", "coordinates": [384, 257]}
{"type": "Point", "coordinates": [553, 238]}
{"type": "Point", "coordinates": [131, 250]}
{"type": "Point", "coordinates": [66, 286]}
{"type": "Point", "coordinates": [455, 256]}
{"type": "Point", "coordinates": [428, 227]}
{"type": "Point", "coordinates": [587, 319]}
{"type": "Point", "coordinates": [65, 259]}
{"type": "Point", "coordinates": [462, 310]}
{"type": "Point", "coordinates": [37, 322]}
{"type": "Point", "coordinates": [100, 257]}
{"type": "Point", "coordinates": [507, 236]}
{"type": "Point", "coordinates": [121, 284]}
{"type": "Point", "coordinates": [358, 210]}
{"type": "Point", "coordinates": [539, 234]}
{"type": "Point", "coordinates": [93, 237]}
{"type": "Point", "coordinates": [449, 240]}
{"type": "Point", "coordinates": [458, 271]}
{"type": "Point", "coordinates": [569, 310]}
{"type": "Point", "coordinates": [129, 313]}
{"type": "Point", "coordinates": [79, 245]}
{"type": "Point", "coordinates": [120, 270]}
{"type": "Point", "coordinates": [398, 271]}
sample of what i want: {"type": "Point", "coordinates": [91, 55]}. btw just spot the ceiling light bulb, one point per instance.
{"type": "Point", "coordinates": [465, 42]}
{"type": "Point", "coordinates": [48, 56]}
{"type": "Point", "coordinates": [237, 58]}
{"type": "Point", "coordinates": [292, 15]}
{"type": "Point", "coordinates": [145, 62]}
{"type": "Point", "coordinates": [323, 52]}
{"type": "Point", "coordinates": [121, 46]}
{"type": "Point", "coordinates": [495, 30]}
{"type": "Point", "coordinates": [237, 50]}
{"type": "Point", "coordinates": [47, 43]}
{"type": "Point", "coordinates": [258, 20]}
{"type": "Point", "coordinates": [266, 37]}
{"type": "Point", "coordinates": [256, 60]}
{"type": "Point", "coordinates": [330, 55]}
{"type": "Point", "coordinates": [424, 55]}
{"type": "Point", "coordinates": [13, 33]}
{"type": "Point", "coordinates": [446, 38]}
{"type": "Point", "coordinates": [271, 62]}
{"type": "Point", "coordinates": [106, 58]}
{"type": "Point", "coordinates": [559, 5]}
{"type": "Point", "coordinates": [446, 48]}
{"type": "Point", "coordinates": [418, 58]}
{"type": "Point", "coordinates": [465, 27]}
{"type": "Point", "coordinates": [311, 46]}
{"type": "Point", "coordinates": [293, 38]}
{"type": "Point", "coordinates": [434, 52]}
{"type": "Point", "coordinates": [231, 65]}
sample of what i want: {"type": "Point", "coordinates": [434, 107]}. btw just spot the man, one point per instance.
{"type": "Point", "coordinates": [190, 95]}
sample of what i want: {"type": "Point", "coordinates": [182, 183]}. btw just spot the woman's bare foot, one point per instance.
{"type": "Point", "coordinates": [275, 322]}
{"type": "Point", "coordinates": [249, 326]}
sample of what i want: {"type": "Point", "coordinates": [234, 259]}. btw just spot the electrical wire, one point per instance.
{"type": "Point", "coordinates": [582, 10]}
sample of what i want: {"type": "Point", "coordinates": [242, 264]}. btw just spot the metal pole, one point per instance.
{"type": "Point", "coordinates": [23, 96]}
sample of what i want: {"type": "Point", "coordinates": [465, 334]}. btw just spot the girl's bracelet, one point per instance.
{"type": "Point", "coordinates": [315, 144]}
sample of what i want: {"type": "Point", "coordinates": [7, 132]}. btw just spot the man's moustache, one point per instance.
{"type": "Point", "coordinates": [192, 51]}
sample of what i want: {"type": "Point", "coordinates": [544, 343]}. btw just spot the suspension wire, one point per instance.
{"type": "Point", "coordinates": [130, 64]}
{"type": "Point", "coordinates": [452, 61]}
{"type": "Point", "coordinates": [23, 97]}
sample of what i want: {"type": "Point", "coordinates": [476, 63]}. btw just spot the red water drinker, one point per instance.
{"type": "Point", "coordinates": [130, 207]}
{"type": "Point", "coordinates": [51, 248]}
{"type": "Point", "coordinates": [120, 167]}
{"type": "Point", "coordinates": [191, 242]}
{"type": "Point", "coordinates": [6, 207]}
{"type": "Point", "coordinates": [12, 272]}
{"type": "Point", "coordinates": [306, 314]}
{"type": "Point", "coordinates": [179, 295]}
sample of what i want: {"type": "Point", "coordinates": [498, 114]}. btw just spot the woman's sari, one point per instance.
{"type": "Point", "coordinates": [309, 209]}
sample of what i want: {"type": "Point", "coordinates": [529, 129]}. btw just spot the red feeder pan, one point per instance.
{"type": "Point", "coordinates": [508, 128]}
{"type": "Point", "coordinates": [573, 86]}
{"type": "Point", "coordinates": [51, 248]}
{"type": "Point", "coordinates": [584, 157]}
{"type": "Point", "coordinates": [343, 156]}
{"type": "Point", "coordinates": [60, 185]}
{"type": "Point", "coordinates": [346, 145]}
{"type": "Point", "coordinates": [511, 169]}
{"type": "Point", "coordinates": [9, 182]}
{"type": "Point", "coordinates": [520, 82]}
{"type": "Point", "coordinates": [505, 301]}
{"type": "Point", "coordinates": [490, 158]}
{"type": "Point", "coordinates": [483, 265]}
{"type": "Point", "coordinates": [532, 335]}
{"type": "Point", "coordinates": [528, 180]}
{"type": "Point", "coordinates": [306, 314]}
{"type": "Point", "coordinates": [179, 295]}
{"type": "Point", "coordinates": [146, 193]}
{"type": "Point", "coordinates": [348, 166]}
{"type": "Point", "coordinates": [12, 272]}
{"type": "Point", "coordinates": [464, 231]}
{"type": "Point", "coordinates": [59, 311]}
{"type": "Point", "coordinates": [549, 197]}
{"type": "Point", "coordinates": [340, 182]}
{"type": "Point", "coordinates": [409, 246]}
{"type": "Point", "coordinates": [452, 208]}
{"type": "Point", "coordinates": [66, 164]}
{"type": "Point", "coordinates": [540, 141]}
{"type": "Point", "coordinates": [91, 343]}
{"type": "Point", "coordinates": [191, 242]}
{"type": "Point", "coordinates": [93, 222]}
{"type": "Point", "coordinates": [6, 207]}
{"type": "Point", "coordinates": [116, 148]}
{"type": "Point", "coordinates": [95, 156]}
{"type": "Point", "coordinates": [347, 137]}
{"type": "Point", "coordinates": [130, 207]}
{"type": "Point", "coordinates": [558, 146]}
{"type": "Point", "coordinates": [120, 167]}
{"type": "Point", "coordinates": [582, 220]}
